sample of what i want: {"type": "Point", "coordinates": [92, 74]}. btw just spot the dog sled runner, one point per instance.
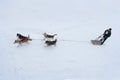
{"type": "Point", "coordinates": [96, 42]}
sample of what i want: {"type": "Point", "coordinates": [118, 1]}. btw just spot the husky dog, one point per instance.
{"type": "Point", "coordinates": [49, 43]}
{"type": "Point", "coordinates": [22, 39]}
{"type": "Point", "coordinates": [49, 36]}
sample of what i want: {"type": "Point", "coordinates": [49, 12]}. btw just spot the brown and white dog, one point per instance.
{"type": "Point", "coordinates": [49, 43]}
{"type": "Point", "coordinates": [49, 36]}
{"type": "Point", "coordinates": [22, 39]}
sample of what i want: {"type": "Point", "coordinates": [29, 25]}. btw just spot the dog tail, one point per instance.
{"type": "Point", "coordinates": [55, 34]}
{"type": "Point", "coordinates": [29, 38]}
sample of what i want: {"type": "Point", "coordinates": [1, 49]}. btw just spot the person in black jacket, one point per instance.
{"type": "Point", "coordinates": [106, 34]}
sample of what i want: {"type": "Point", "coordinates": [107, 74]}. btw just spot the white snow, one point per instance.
{"type": "Point", "coordinates": [73, 58]}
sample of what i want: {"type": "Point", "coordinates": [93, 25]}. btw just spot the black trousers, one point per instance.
{"type": "Point", "coordinates": [103, 39]}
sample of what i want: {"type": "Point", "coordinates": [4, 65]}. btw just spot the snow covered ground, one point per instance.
{"type": "Point", "coordinates": [76, 22]}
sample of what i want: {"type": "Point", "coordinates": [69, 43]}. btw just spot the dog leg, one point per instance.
{"type": "Point", "coordinates": [46, 45]}
{"type": "Point", "coordinates": [55, 45]}
{"type": "Point", "coordinates": [19, 45]}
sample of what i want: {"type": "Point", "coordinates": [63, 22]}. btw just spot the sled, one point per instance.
{"type": "Point", "coordinates": [96, 42]}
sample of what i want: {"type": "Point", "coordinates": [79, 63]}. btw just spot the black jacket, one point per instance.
{"type": "Point", "coordinates": [107, 33]}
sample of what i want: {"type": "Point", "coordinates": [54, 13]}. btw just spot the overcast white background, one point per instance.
{"type": "Point", "coordinates": [75, 20]}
